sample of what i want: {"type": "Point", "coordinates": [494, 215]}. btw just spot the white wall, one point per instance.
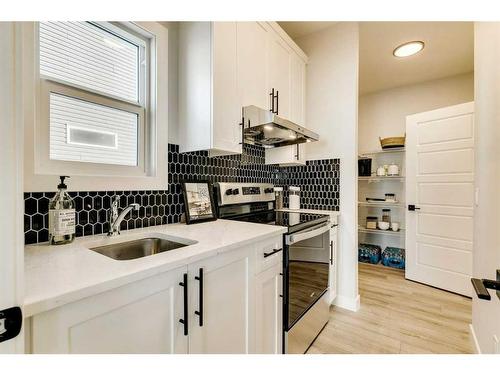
{"type": "Point", "coordinates": [332, 111]}
{"type": "Point", "coordinates": [383, 113]}
{"type": "Point", "coordinates": [485, 314]}
{"type": "Point", "coordinates": [173, 45]}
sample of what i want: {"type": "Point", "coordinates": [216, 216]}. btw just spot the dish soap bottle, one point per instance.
{"type": "Point", "coordinates": [61, 216]}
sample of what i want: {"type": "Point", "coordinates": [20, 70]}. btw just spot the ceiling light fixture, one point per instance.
{"type": "Point", "coordinates": [408, 49]}
{"type": "Point", "coordinates": [268, 127]}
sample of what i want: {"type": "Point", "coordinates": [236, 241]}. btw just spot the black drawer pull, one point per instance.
{"type": "Point", "coordinates": [199, 312]}
{"type": "Point", "coordinates": [272, 253]}
{"type": "Point", "coordinates": [184, 285]}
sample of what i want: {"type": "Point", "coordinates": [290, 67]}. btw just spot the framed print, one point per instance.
{"type": "Point", "coordinates": [198, 201]}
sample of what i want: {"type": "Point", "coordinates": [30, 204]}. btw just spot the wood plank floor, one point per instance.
{"type": "Point", "coordinates": [397, 316]}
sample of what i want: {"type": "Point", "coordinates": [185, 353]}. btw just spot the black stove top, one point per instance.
{"type": "Point", "coordinates": [293, 220]}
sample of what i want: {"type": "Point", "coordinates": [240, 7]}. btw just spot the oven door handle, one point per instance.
{"type": "Point", "coordinates": [301, 236]}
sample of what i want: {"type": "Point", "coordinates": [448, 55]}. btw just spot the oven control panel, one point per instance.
{"type": "Point", "coordinates": [238, 193]}
{"type": "Point", "coordinates": [251, 190]}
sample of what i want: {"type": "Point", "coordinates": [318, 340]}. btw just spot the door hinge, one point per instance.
{"type": "Point", "coordinates": [11, 321]}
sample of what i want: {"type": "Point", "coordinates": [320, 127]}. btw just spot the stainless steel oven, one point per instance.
{"type": "Point", "coordinates": [305, 270]}
{"type": "Point", "coordinates": [306, 257]}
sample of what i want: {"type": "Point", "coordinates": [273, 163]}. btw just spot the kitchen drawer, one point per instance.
{"type": "Point", "coordinates": [266, 256]}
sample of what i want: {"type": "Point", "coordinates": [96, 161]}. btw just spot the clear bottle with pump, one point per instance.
{"type": "Point", "coordinates": [61, 216]}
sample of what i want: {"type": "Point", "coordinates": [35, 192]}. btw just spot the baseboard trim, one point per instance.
{"type": "Point", "coordinates": [474, 339]}
{"type": "Point", "coordinates": [347, 303]}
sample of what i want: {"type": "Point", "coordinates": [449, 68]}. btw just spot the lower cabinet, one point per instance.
{"type": "Point", "coordinates": [221, 298]}
{"type": "Point", "coordinates": [216, 305]}
{"type": "Point", "coordinates": [141, 317]}
{"type": "Point", "coordinates": [269, 312]}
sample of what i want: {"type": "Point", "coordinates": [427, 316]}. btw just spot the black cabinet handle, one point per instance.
{"type": "Point", "coordinates": [272, 253]}
{"type": "Point", "coordinates": [481, 287]}
{"type": "Point", "coordinates": [277, 102]}
{"type": "Point", "coordinates": [412, 207]}
{"type": "Point", "coordinates": [272, 100]}
{"type": "Point", "coordinates": [331, 253]}
{"type": "Point", "coordinates": [199, 312]}
{"type": "Point", "coordinates": [184, 320]}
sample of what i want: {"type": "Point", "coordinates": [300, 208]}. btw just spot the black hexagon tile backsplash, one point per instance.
{"type": "Point", "coordinates": [318, 180]}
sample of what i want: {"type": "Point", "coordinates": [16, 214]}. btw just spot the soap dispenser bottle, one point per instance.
{"type": "Point", "coordinates": [61, 216]}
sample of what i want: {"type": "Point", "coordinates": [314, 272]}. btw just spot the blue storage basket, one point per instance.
{"type": "Point", "coordinates": [369, 253]}
{"type": "Point", "coordinates": [393, 257]}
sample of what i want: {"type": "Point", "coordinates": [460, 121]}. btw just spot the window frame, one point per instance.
{"type": "Point", "coordinates": [151, 171]}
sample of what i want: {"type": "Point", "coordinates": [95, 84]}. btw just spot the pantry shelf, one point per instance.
{"type": "Point", "coordinates": [382, 204]}
{"type": "Point", "coordinates": [389, 151]}
{"type": "Point", "coordinates": [399, 233]}
{"type": "Point", "coordinates": [381, 178]}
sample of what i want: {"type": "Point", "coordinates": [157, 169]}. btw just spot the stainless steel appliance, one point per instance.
{"type": "Point", "coordinates": [266, 128]}
{"type": "Point", "coordinates": [306, 256]}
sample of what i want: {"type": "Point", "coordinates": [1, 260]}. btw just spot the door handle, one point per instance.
{"type": "Point", "coordinates": [199, 312]}
{"type": "Point", "coordinates": [184, 320]}
{"type": "Point", "coordinates": [412, 207]}
{"type": "Point", "coordinates": [11, 321]}
{"type": "Point", "coordinates": [481, 287]}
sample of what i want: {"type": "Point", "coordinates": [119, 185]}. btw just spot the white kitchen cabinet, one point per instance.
{"type": "Point", "coordinates": [228, 300]}
{"type": "Point", "coordinates": [292, 155]}
{"type": "Point", "coordinates": [286, 155]}
{"type": "Point", "coordinates": [332, 277]}
{"type": "Point", "coordinates": [279, 73]}
{"type": "Point", "coordinates": [252, 40]}
{"type": "Point", "coordinates": [240, 303]}
{"type": "Point", "coordinates": [141, 317]}
{"type": "Point", "coordinates": [209, 107]}
{"type": "Point", "coordinates": [269, 312]}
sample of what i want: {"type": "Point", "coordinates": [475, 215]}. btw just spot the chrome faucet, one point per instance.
{"type": "Point", "coordinates": [116, 219]}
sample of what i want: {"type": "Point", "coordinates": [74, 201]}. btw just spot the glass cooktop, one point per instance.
{"type": "Point", "coordinates": [293, 220]}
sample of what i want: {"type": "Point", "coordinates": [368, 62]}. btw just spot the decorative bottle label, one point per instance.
{"type": "Point", "coordinates": [62, 222]}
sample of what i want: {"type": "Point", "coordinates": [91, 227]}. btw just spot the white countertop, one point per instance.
{"type": "Point", "coordinates": [57, 275]}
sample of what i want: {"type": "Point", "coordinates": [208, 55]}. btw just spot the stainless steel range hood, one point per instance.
{"type": "Point", "coordinates": [267, 129]}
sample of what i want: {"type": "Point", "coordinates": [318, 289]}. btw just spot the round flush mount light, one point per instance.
{"type": "Point", "coordinates": [408, 49]}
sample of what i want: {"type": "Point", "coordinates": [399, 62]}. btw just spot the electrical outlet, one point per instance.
{"type": "Point", "coordinates": [496, 345]}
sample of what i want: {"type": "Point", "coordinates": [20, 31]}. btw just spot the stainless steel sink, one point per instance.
{"type": "Point", "coordinates": [137, 248]}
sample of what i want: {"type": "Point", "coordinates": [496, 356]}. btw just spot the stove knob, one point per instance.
{"type": "Point", "coordinates": [268, 190]}
{"type": "Point", "coordinates": [229, 192]}
{"type": "Point", "coordinates": [236, 191]}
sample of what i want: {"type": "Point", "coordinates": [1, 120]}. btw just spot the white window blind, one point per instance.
{"type": "Point", "coordinates": [87, 56]}
{"type": "Point", "coordinates": [88, 132]}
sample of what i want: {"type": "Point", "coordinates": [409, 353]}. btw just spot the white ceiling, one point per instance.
{"type": "Point", "coordinates": [449, 50]}
{"type": "Point", "coordinates": [298, 29]}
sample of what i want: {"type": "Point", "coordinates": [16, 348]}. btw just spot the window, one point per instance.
{"type": "Point", "coordinates": [95, 91]}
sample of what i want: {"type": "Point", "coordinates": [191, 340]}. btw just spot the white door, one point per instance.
{"type": "Point", "coordinates": [269, 312]}
{"type": "Point", "coordinates": [440, 184]}
{"type": "Point", "coordinates": [221, 321]}
{"type": "Point", "coordinates": [279, 73]}
{"type": "Point", "coordinates": [11, 192]}
{"type": "Point", "coordinates": [252, 64]}
{"type": "Point", "coordinates": [139, 318]}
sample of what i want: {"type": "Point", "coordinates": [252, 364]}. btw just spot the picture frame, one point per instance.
{"type": "Point", "coordinates": [198, 201]}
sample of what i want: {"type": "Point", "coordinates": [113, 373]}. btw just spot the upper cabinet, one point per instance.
{"type": "Point", "coordinates": [224, 66]}
{"type": "Point", "coordinates": [252, 38]}
{"type": "Point", "coordinates": [209, 109]}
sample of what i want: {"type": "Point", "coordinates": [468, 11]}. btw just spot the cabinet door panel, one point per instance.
{"type": "Point", "coordinates": [279, 72]}
{"type": "Point", "coordinates": [268, 305]}
{"type": "Point", "coordinates": [226, 107]}
{"type": "Point", "coordinates": [252, 64]}
{"type": "Point", "coordinates": [227, 298]}
{"type": "Point", "coordinates": [142, 317]}
{"type": "Point", "coordinates": [297, 89]}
